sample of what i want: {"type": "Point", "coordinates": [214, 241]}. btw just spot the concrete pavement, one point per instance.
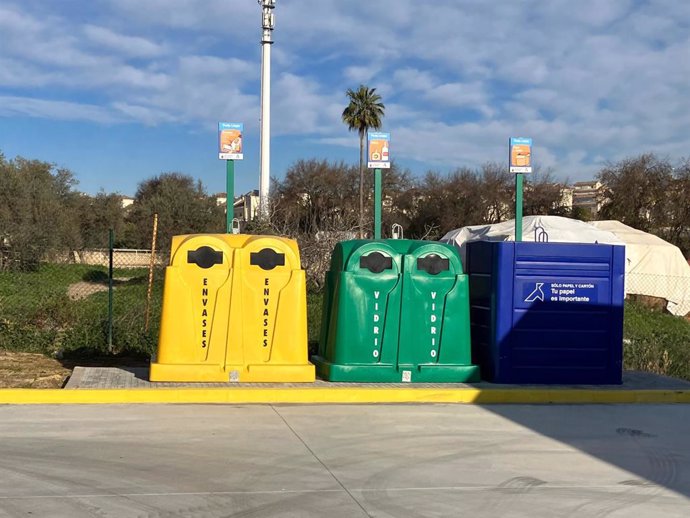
{"type": "Point", "coordinates": [344, 460]}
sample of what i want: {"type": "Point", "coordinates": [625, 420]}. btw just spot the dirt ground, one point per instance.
{"type": "Point", "coordinates": [29, 370]}
{"type": "Point", "coordinates": [81, 290]}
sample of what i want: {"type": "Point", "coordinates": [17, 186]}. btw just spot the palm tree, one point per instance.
{"type": "Point", "coordinates": [364, 111]}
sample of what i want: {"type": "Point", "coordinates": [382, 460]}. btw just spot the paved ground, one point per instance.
{"type": "Point", "coordinates": [137, 377]}
{"type": "Point", "coordinates": [345, 461]}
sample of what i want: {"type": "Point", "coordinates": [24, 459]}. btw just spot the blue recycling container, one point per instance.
{"type": "Point", "coordinates": [547, 313]}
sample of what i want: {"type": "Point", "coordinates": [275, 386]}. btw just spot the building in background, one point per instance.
{"type": "Point", "coordinates": [587, 196]}
{"type": "Point", "coordinates": [566, 200]}
{"type": "Point", "coordinates": [245, 206]}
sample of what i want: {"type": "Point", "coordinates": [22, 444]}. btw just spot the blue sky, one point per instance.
{"type": "Point", "coordinates": [121, 90]}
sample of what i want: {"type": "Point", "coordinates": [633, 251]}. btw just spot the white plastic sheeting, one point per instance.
{"type": "Point", "coordinates": [654, 267]}
{"type": "Point", "coordinates": [555, 229]}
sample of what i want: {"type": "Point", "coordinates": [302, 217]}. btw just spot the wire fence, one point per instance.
{"type": "Point", "coordinates": [93, 301]}
{"type": "Point", "coordinates": [661, 292]}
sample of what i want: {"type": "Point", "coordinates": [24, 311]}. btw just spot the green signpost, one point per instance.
{"type": "Point", "coordinates": [230, 149]}
{"type": "Point", "coordinates": [520, 160]}
{"type": "Point", "coordinates": [519, 180]}
{"type": "Point", "coordinates": [230, 189]}
{"type": "Point", "coordinates": [378, 157]}
{"type": "Point", "coordinates": [377, 203]}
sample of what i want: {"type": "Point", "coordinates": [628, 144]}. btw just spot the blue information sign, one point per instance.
{"type": "Point", "coordinates": [230, 140]}
{"type": "Point", "coordinates": [520, 155]}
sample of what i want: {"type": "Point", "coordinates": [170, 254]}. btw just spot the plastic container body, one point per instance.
{"type": "Point", "coordinates": [395, 311]}
{"type": "Point", "coordinates": [234, 309]}
{"type": "Point", "coordinates": [547, 313]}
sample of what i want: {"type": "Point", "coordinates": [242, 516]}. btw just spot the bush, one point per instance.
{"type": "Point", "coordinates": [314, 310]}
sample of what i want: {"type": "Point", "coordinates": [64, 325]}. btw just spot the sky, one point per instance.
{"type": "Point", "coordinates": [119, 91]}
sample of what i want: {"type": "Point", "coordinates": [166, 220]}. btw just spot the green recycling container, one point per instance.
{"type": "Point", "coordinates": [395, 311]}
{"type": "Point", "coordinates": [361, 309]}
{"type": "Point", "coordinates": [435, 316]}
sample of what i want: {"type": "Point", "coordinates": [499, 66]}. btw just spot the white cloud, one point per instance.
{"type": "Point", "coordinates": [61, 110]}
{"type": "Point", "coordinates": [360, 74]}
{"type": "Point", "coordinates": [413, 79]}
{"type": "Point", "coordinates": [465, 95]}
{"type": "Point", "coordinates": [40, 40]}
{"type": "Point", "coordinates": [209, 88]}
{"type": "Point", "coordinates": [302, 108]}
{"type": "Point", "coordinates": [46, 51]}
{"type": "Point", "coordinates": [239, 71]}
{"type": "Point", "coordinates": [596, 13]}
{"type": "Point", "coordinates": [525, 69]}
{"type": "Point", "coordinates": [398, 114]}
{"type": "Point", "coordinates": [21, 74]}
{"type": "Point", "coordinates": [220, 16]}
{"type": "Point", "coordinates": [128, 45]}
{"type": "Point", "coordinates": [145, 114]}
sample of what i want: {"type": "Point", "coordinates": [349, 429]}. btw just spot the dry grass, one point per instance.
{"type": "Point", "coordinates": [81, 290]}
{"type": "Point", "coordinates": [31, 370]}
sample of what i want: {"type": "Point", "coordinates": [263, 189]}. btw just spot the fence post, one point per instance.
{"type": "Point", "coordinates": [151, 265]}
{"type": "Point", "coordinates": [110, 289]}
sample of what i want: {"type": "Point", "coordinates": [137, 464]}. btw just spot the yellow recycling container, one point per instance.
{"type": "Point", "coordinates": [234, 309]}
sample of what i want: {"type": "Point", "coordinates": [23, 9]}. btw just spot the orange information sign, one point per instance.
{"type": "Point", "coordinates": [378, 150]}
{"type": "Point", "coordinates": [230, 140]}
{"type": "Point", "coordinates": [520, 155]}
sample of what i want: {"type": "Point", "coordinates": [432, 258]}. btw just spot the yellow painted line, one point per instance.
{"type": "Point", "coordinates": [338, 395]}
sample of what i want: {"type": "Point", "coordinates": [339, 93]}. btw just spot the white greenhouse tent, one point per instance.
{"type": "Point", "coordinates": [653, 266]}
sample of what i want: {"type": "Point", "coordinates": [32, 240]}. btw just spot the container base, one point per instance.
{"type": "Point", "coordinates": [388, 373]}
{"type": "Point", "coordinates": [232, 373]}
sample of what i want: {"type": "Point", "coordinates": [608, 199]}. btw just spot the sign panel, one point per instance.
{"type": "Point", "coordinates": [230, 140]}
{"type": "Point", "coordinates": [582, 292]}
{"type": "Point", "coordinates": [520, 155]}
{"type": "Point", "coordinates": [378, 152]}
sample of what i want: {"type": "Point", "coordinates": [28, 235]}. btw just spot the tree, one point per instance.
{"type": "Point", "coordinates": [581, 213]}
{"type": "Point", "coordinates": [97, 215]}
{"type": "Point", "coordinates": [182, 205]}
{"type": "Point", "coordinates": [398, 193]}
{"type": "Point", "coordinates": [364, 111]}
{"type": "Point", "coordinates": [635, 191]}
{"type": "Point", "coordinates": [316, 204]}
{"type": "Point", "coordinates": [543, 195]}
{"type": "Point", "coordinates": [678, 230]}
{"type": "Point", "coordinates": [37, 219]}
{"type": "Point", "coordinates": [496, 194]}
{"type": "Point", "coordinates": [448, 202]}
{"type": "Point", "coordinates": [316, 196]}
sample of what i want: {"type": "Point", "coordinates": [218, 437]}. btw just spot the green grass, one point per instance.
{"type": "Point", "coordinates": [37, 315]}
{"type": "Point", "coordinates": [656, 342]}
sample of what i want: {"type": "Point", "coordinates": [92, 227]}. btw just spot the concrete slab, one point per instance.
{"type": "Point", "coordinates": [344, 461]}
